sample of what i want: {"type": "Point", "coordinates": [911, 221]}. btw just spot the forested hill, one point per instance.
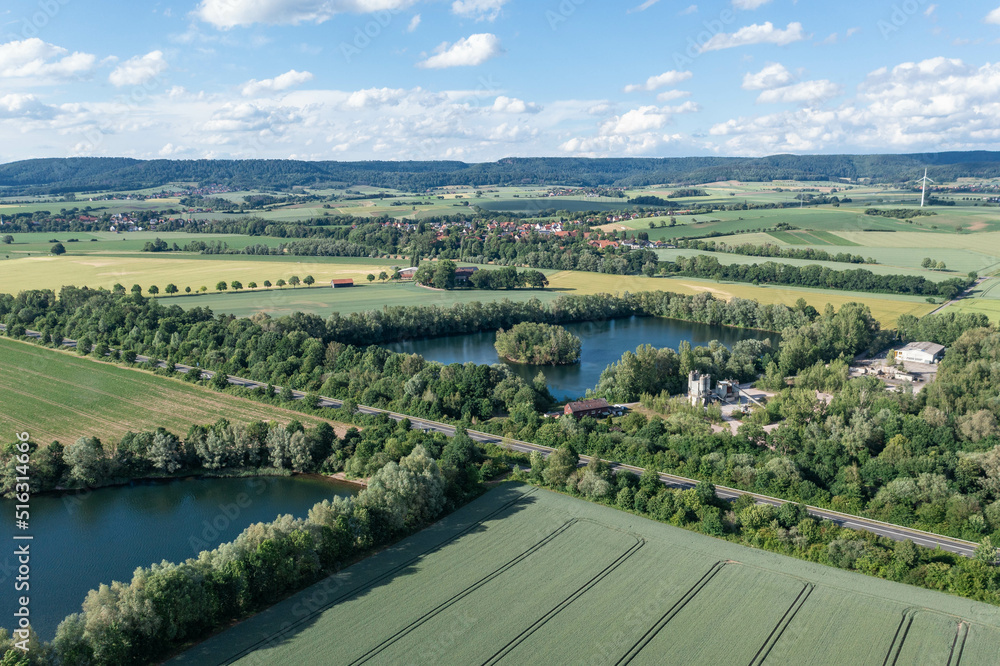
{"type": "Point", "coordinates": [76, 174]}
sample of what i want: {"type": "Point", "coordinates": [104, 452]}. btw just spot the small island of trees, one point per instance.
{"type": "Point", "coordinates": [538, 344]}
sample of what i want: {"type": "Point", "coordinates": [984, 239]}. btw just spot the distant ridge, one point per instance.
{"type": "Point", "coordinates": [80, 174]}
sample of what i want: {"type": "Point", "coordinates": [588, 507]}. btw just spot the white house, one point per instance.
{"type": "Point", "coordinates": [921, 352]}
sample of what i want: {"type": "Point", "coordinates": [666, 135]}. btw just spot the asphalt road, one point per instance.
{"type": "Point", "coordinates": [894, 532]}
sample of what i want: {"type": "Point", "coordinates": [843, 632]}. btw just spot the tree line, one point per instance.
{"type": "Point", "coordinates": [774, 251]}
{"type": "Point", "coordinates": [816, 276]}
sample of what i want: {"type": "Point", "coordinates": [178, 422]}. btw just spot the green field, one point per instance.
{"type": "Point", "coordinates": [361, 298]}
{"type": "Point", "coordinates": [523, 575]}
{"type": "Point", "coordinates": [962, 253]}
{"type": "Point", "coordinates": [111, 242]}
{"type": "Point", "coordinates": [57, 395]}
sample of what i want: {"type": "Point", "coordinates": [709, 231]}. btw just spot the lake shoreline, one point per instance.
{"type": "Point", "coordinates": [236, 473]}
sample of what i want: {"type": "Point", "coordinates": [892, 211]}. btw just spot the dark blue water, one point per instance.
{"type": "Point", "coordinates": [603, 343]}
{"type": "Point", "coordinates": [83, 540]}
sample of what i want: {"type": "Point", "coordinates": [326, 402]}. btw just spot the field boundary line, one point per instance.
{"type": "Point", "coordinates": [782, 624]}
{"type": "Point", "coordinates": [671, 613]}
{"type": "Point", "coordinates": [565, 603]}
{"type": "Point", "coordinates": [461, 594]}
{"type": "Point", "coordinates": [391, 572]}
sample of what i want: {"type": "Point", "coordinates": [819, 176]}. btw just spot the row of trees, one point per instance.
{"type": "Point", "coordinates": [774, 250]}
{"type": "Point", "coordinates": [859, 279]}
{"type": "Point", "coordinates": [90, 463]}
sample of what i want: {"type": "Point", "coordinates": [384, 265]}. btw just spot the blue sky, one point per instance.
{"type": "Point", "coordinates": [484, 79]}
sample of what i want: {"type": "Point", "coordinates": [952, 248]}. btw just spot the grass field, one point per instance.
{"type": "Point", "coordinates": [58, 395]}
{"type": "Point", "coordinates": [523, 575]}
{"type": "Point", "coordinates": [361, 298]}
{"type": "Point", "coordinates": [106, 241]}
{"type": "Point", "coordinates": [961, 252]}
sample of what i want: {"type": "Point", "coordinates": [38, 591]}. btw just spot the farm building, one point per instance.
{"type": "Point", "coordinates": [346, 282]}
{"type": "Point", "coordinates": [921, 352]}
{"type": "Point", "coordinates": [463, 274]}
{"type": "Point", "coordinates": [581, 408]}
{"type": "Point", "coordinates": [407, 273]}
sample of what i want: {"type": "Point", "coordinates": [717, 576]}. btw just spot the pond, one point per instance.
{"type": "Point", "coordinates": [603, 343]}
{"type": "Point", "coordinates": [83, 540]}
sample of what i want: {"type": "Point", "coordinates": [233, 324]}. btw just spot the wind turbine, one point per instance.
{"type": "Point", "coordinates": [923, 193]}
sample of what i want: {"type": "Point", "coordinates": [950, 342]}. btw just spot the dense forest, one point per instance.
{"type": "Point", "coordinates": [76, 174]}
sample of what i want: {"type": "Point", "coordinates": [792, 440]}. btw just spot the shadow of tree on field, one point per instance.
{"type": "Point", "coordinates": [282, 623]}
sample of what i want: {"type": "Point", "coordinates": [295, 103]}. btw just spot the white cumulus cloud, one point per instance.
{"type": "Point", "coordinates": [764, 33]}
{"type": "Point", "coordinates": [635, 132]}
{"type": "Point", "coordinates": [480, 10]}
{"type": "Point", "coordinates": [773, 75]}
{"type": "Point", "coordinates": [471, 50]}
{"type": "Point", "coordinates": [804, 92]}
{"type": "Point", "coordinates": [226, 14]}
{"type": "Point", "coordinates": [670, 95]}
{"type": "Point", "coordinates": [40, 60]}
{"type": "Point", "coordinates": [281, 82]}
{"type": "Point", "coordinates": [413, 24]}
{"type": "Point", "coordinates": [136, 71]}
{"type": "Point", "coordinates": [16, 105]}
{"type": "Point", "coordinates": [671, 78]}
{"type": "Point", "coordinates": [504, 104]}
{"type": "Point", "coordinates": [993, 17]}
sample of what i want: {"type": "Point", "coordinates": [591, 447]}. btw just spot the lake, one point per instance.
{"type": "Point", "coordinates": [83, 540]}
{"type": "Point", "coordinates": [603, 343]}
